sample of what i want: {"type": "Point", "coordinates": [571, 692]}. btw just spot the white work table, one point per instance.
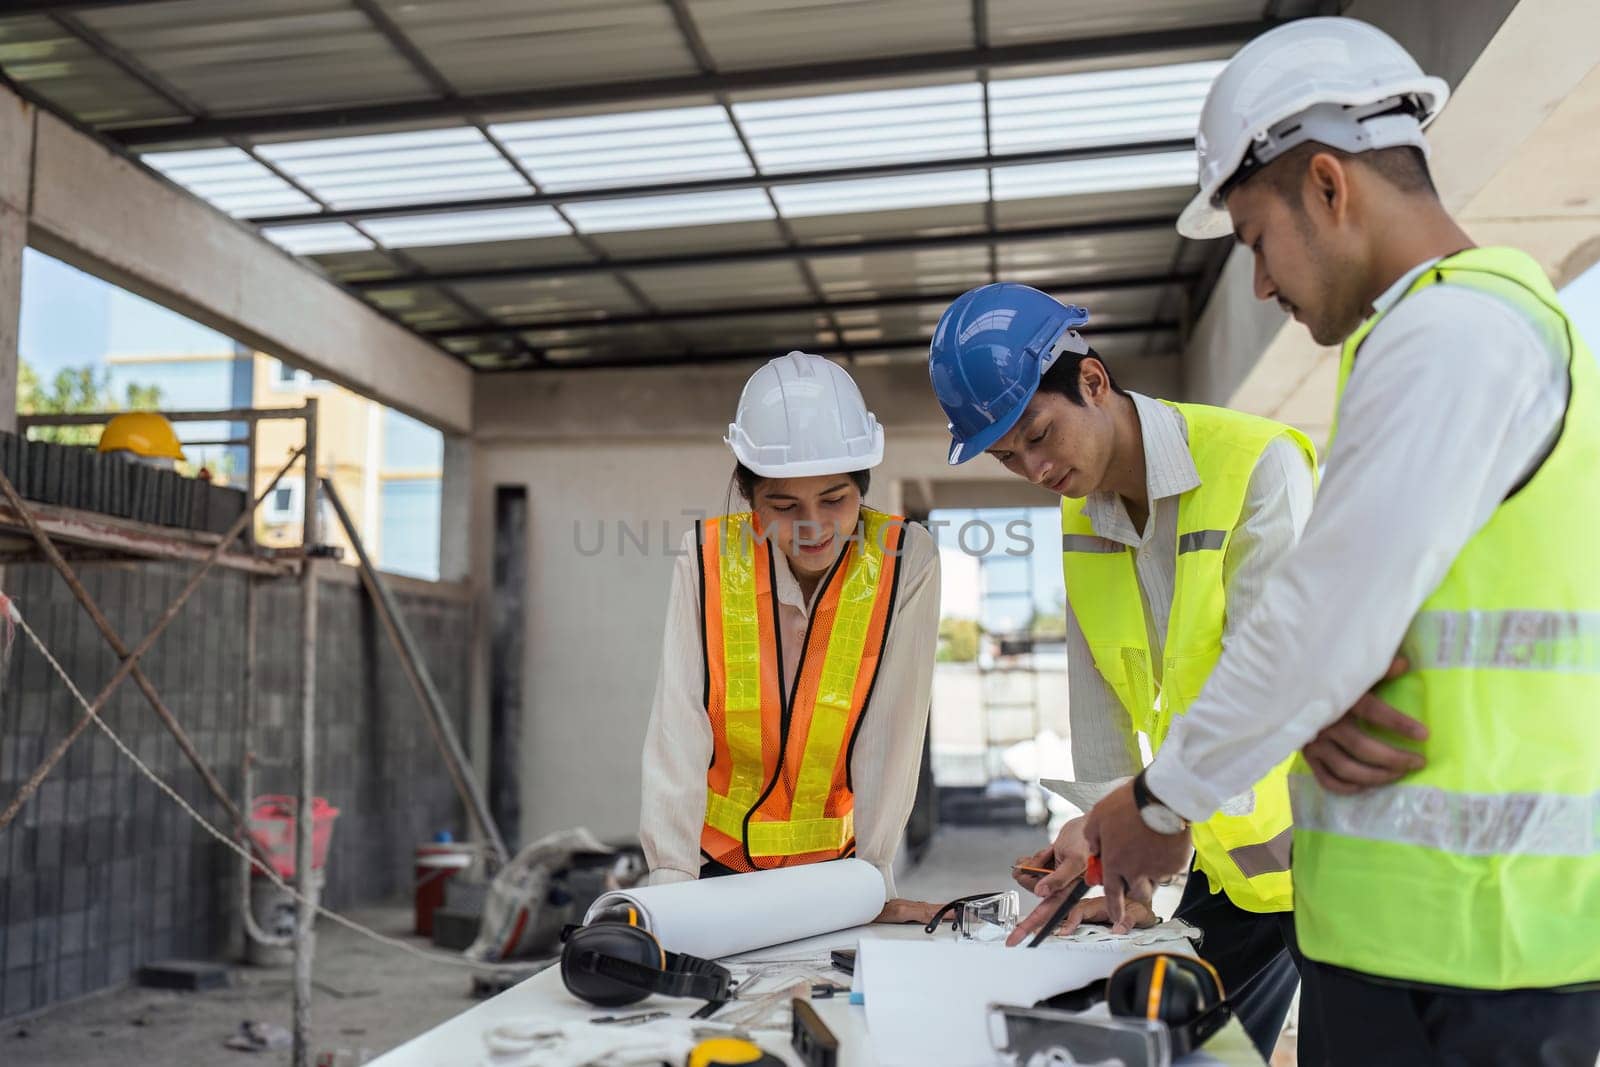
{"type": "Point", "coordinates": [458, 1042]}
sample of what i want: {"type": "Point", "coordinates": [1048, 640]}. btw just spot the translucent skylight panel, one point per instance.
{"type": "Point", "coordinates": [660, 212]}
{"type": "Point", "coordinates": [1102, 107]}
{"type": "Point", "coordinates": [1080, 176]}
{"type": "Point", "coordinates": [860, 129]}
{"type": "Point", "coordinates": [229, 179]}
{"type": "Point", "coordinates": [319, 239]}
{"type": "Point", "coordinates": [397, 168]}
{"type": "Point", "coordinates": [882, 194]}
{"type": "Point", "coordinates": [467, 227]}
{"type": "Point", "coordinates": [631, 148]}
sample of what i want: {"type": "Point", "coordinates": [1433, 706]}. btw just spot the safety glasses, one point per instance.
{"type": "Point", "coordinates": [980, 917]}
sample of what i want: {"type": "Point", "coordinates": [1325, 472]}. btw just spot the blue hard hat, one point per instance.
{"type": "Point", "coordinates": [989, 351]}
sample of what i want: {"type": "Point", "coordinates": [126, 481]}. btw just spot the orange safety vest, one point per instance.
{"type": "Point", "coordinates": [779, 792]}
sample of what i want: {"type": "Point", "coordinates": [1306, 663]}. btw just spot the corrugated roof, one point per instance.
{"type": "Point", "coordinates": [634, 174]}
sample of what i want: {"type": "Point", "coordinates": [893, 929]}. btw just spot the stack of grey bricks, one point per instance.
{"type": "Point", "coordinates": [100, 873]}
{"type": "Point", "coordinates": [75, 476]}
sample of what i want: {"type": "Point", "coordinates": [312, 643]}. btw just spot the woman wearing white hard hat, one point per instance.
{"type": "Point", "coordinates": [798, 661]}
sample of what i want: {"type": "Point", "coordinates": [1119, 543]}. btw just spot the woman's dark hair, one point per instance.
{"type": "Point", "coordinates": [1062, 377]}
{"type": "Point", "coordinates": [746, 480]}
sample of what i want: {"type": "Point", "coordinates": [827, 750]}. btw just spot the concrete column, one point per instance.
{"type": "Point", "coordinates": [455, 510]}
{"type": "Point", "coordinates": [16, 188]}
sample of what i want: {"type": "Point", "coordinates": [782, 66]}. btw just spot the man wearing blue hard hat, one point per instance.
{"type": "Point", "coordinates": [1171, 516]}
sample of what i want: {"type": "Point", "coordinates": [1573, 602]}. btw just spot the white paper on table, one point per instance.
{"type": "Point", "coordinates": [716, 917]}
{"type": "Point", "coordinates": [926, 1000]}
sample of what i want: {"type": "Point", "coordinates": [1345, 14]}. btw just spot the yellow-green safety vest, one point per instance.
{"type": "Point", "coordinates": [1243, 849]}
{"type": "Point", "coordinates": [1482, 870]}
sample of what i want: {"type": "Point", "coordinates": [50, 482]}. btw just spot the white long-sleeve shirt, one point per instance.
{"type": "Point", "coordinates": [1105, 750]}
{"type": "Point", "coordinates": [1454, 400]}
{"type": "Point", "coordinates": [888, 753]}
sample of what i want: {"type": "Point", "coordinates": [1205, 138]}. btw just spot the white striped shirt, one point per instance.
{"type": "Point", "coordinates": [1455, 399]}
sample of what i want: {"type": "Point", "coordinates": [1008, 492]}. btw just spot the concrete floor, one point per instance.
{"type": "Point", "coordinates": [368, 996]}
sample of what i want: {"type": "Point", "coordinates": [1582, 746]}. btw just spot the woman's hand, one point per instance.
{"type": "Point", "coordinates": [900, 910]}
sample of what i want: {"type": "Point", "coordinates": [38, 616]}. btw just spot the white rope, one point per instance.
{"type": "Point", "coordinates": [350, 924]}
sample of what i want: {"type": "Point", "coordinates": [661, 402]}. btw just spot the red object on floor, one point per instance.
{"type": "Point", "coordinates": [436, 864]}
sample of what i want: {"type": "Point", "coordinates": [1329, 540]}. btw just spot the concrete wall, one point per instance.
{"type": "Point", "coordinates": [602, 451]}
{"type": "Point", "coordinates": [100, 874]}
{"type": "Point", "coordinates": [1511, 155]}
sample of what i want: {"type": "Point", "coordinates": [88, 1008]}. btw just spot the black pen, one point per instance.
{"type": "Point", "coordinates": [1090, 876]}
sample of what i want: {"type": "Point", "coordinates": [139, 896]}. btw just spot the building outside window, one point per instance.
{"type": "Point", "coordinates": [386, 467]}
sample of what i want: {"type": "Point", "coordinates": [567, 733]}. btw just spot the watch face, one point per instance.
{"type": "Point", "coordinates": [1161, 819]}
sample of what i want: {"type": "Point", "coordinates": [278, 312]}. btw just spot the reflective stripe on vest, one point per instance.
{"type": "Point", "coordinates": [1482, 870]}
{"type": "Point", "coordinates": [778, 786]}
{"type": "Point", "coordinates": [1567, 641]}
{"type": "Point", "coordinates": [1244, 849]}
{"type": "Point", "coordinates": [1464, 824]}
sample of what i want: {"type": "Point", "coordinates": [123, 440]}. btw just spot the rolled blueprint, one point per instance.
{"type": "Point", "coordinates": [716, 917]}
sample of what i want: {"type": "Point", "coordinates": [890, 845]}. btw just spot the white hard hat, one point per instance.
{"type": "Point", "coordinates": [1337, 81]}
{"type": "Point", "coordinates": [801, 415]}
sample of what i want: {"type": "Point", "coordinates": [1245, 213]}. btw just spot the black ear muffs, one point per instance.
{"type": "Point", "coordinates": [1182, 992]}
{"type": "Point", "coordinates": [613, 961]}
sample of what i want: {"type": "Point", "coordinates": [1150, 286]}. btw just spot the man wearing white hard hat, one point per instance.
{"type": "Point", "coordinates": [1449, 914]}
{"type": "Point", "coordinates": [798, 661]}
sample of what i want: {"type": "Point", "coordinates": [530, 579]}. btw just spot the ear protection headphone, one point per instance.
{"type": "Point", "coordinates": [1181, 991]}
{"type": "Point", "coordinates": [614, 961]}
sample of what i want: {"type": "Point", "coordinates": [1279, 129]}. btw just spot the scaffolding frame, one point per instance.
{"type": "Point", "coordinates": [102, 538]}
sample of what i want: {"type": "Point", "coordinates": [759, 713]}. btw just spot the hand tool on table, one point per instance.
{"type": "Point", "coordinates": [1091, 876]}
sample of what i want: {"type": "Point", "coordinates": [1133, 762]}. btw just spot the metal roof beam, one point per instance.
{"type": "Point", "coordinates": [910, 344]}
{"type": "Point", "coordinates": [63, 7]}
{"type": "Point", "coordinates": [1174, 45]}
{"type": "Point", "coordinates": [717, 185]}
{"type": "Point", "coordinates": [1080, 286]}
{"type": "Point", "coordinates": [775, 254]}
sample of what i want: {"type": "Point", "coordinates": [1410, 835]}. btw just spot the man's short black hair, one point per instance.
{"type": "Point", "coordinates": [1404, 166]}
{"type": "Point", "coordinates": [1062, 377]}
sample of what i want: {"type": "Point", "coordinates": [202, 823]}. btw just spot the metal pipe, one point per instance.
{"type": "Point", "coordinates": [248, 475]}
{"type": "Point", "coordinates": [416, 669]}
{"type": "Point", "coordinates": [130, 659]}
{"type": "Point", "coordinates": [247, 769]}
{"type": "Point", "coordinates": [305, 916]}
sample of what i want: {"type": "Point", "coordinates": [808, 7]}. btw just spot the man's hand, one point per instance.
{"type": "Point", "coordinates": [1093, 911]}
{"type": "Point", "coordinates": [1066, 857]}
{"type": "Point", "coordinates": [900, 910]}
{"type": "Point", "coordinates": [1133, 857]}
{"type": "Point", "coordinates": [1347, 759]}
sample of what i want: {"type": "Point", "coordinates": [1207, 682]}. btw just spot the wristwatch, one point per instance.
{"type": "Point", "coordinates": [1156, 815]}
